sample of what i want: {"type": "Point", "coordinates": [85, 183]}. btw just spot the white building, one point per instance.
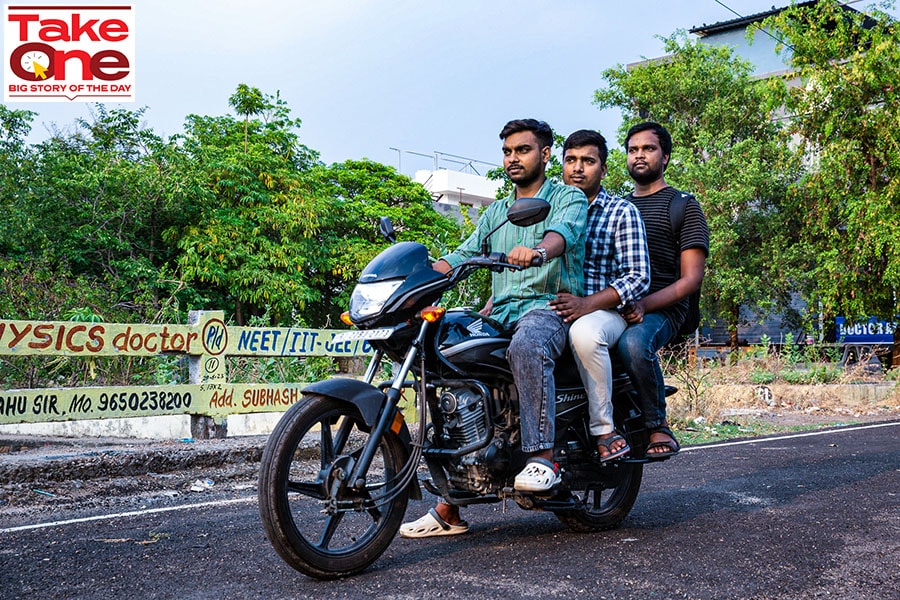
{"type": "Point", "coordinates": [457, 191]}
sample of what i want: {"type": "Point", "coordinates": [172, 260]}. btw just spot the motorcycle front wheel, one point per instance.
{"type": "Point", "coordinates": [317, 523]}
{"type": "Point", "coordinates": [604, 504]}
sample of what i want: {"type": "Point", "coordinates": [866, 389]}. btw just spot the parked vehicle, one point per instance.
{"type": "Point", "coordinates": [341, 465]}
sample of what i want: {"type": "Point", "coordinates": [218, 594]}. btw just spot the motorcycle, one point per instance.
{"type": "Point", "coordinates": [341, 465]}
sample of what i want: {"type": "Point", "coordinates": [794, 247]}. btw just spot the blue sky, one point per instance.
{"type": "Point", "coordinates": [418, 76]}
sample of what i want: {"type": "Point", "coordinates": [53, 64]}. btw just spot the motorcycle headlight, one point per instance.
{"type": "Point", "coordinates": [368, 299]}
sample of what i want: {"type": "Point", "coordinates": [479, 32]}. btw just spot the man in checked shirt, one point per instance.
{"type": "Point", "coordinates": [616, 273]}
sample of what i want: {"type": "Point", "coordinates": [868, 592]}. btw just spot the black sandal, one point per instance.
{"type": "Point", "coordinates": [612, 454]}
{"type": "Point", "coordinates": [672, 445]}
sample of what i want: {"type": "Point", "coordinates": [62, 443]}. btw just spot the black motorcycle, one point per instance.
{"type": "Point", "coordinates": [340, 466]}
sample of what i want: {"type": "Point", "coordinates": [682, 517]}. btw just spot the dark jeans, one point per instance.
{"type": "Point", "coordinates": [638, 349]}
{"type": "Point", "coordinates": [539, 339]}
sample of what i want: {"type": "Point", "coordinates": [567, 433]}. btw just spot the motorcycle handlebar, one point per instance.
{"type": "Point", "coordinates": [497, 261]}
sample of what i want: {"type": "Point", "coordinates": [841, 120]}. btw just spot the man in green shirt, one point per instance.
{"type": "Point", "coordinates": [521, 299]}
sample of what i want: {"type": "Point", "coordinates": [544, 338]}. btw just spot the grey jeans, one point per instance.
{"type": "Point", "coordinates": [539, 339]}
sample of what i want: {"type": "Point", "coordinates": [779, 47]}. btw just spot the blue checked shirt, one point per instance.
{"type": "Point", "coordinates": [517, 292]}
{"type": "Point", "coordinates": [616, 253]}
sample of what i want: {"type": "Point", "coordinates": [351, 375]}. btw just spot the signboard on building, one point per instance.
{"type": "Point", "coordinates": [870, 331]}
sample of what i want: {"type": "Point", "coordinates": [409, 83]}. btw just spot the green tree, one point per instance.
{"type": "Point", "coordinates": [361, 191]}
{"type": "Point", "coordinates": [258, 213]}
{"type": "Point", "coordinates": [94, 204]}
{"type": "Point", "coordinates": [727, 152]}
{"type": "Point", "coordinates": [15, 173]}
{"type": "Point", "coordinates": [844, 106]}
{"type": "Point", "coordinates": [247, 101]}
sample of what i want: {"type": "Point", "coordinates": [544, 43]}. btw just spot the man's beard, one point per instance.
{"type": "Point", "coordinates": [526, 177]}
{"type": "Point", "coordinates": [646, 176]}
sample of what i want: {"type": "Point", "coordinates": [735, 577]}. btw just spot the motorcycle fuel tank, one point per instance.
{"type": "Point", "coordinates": [471, 342]}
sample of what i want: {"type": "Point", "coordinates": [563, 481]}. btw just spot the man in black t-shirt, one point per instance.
{"type": "Point", "coordinates": [677, 262]}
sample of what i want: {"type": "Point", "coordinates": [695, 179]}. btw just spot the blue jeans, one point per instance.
{"type": "Point", "coordinates": [638, 349]}
{"type": "Point", "coordinates": [539, 339]}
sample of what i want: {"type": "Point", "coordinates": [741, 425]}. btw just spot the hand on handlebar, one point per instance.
{"type": "Point", "coordinates": [524, 257]}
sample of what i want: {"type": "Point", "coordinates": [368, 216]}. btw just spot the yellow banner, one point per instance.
{"type": "Point", "coordinates": [71, 338]}
{"type": "Point", "coordinates": [206, 340]}
{"type": "Point", "coordinates": [212, 399]}
{"type": "Point", "coordinates": [211, 337]}
{"type": "Point", "coordinates": [291, 341]}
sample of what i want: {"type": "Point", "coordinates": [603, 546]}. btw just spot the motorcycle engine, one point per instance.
{"type": "Point", "coordinates": [463, 412]}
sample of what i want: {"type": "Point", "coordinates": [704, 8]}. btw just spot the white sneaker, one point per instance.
{"type": "Point", "coordinates": [539, 475]}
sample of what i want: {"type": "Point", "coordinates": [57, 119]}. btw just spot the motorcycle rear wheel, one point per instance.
{"type": "Point", "coordinates": [315, 521]}
{"type": "Point", "coordinates": [603, 506]}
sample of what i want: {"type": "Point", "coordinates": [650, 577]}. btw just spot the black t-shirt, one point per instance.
{"type": "Point", "coordinates": [663, 245]}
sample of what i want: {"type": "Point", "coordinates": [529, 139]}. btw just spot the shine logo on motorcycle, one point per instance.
{"type": "Point", "coordinates": [341, 465]}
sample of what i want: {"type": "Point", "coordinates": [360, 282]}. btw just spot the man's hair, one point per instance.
{"type": "Point", "coordinates": [586, 137]}
{"type": "Point", "coordinates": [541, 130]}
{"type": "Point", "coordinates": [665, 140]}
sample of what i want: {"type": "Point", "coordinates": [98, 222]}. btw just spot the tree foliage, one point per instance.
{"type": "Point", "coordinates": [844, 106]}
{"type": "Point", "coordinates": [278, 233]}
{"type": "Point", "coordinates": [725, 147]}
{"type": "Point", "coordinates": [257, 212]}
{"type": "Point", "coordinates": [359, 192]}
{"type": "Point", "coordinates": [93, 205]}
{"type": "Point", "coordinates": [234, 214]}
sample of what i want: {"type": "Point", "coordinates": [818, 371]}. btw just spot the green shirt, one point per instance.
{"type": "Point", "coordinates": [517, 292]}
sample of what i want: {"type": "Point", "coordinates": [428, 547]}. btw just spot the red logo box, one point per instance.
{"type": "Point", "coordinates": [75, 53]}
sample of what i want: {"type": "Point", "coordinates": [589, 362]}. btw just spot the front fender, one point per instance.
{"type": "Point", "coordinates": [367, 398]}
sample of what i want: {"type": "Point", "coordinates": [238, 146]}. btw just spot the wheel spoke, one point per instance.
{"type": "Point", "coordinates": [326, 444]}
{"type": "Point", "coordinates": [343, 434]}
{"type": "Point", "coordinates": [331, 524]}
{"type": "Point", "coordinates": [313, 490]}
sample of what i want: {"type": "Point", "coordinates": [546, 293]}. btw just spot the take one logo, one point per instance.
{"type": "Point", "coordinates": [76, 53]}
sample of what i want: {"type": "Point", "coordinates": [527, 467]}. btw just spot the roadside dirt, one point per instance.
{"type": "Point", "coordinates": [43, 476]}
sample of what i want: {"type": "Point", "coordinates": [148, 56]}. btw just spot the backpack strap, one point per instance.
{"type": "Point", "coordinates": [677, 206]}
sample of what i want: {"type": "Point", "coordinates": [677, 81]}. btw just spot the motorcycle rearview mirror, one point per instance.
{"type": "Point", "coordinates": [522, 213]}
{"type": "Point", "coordinates": [528, 211]}
{"type": "Point", "coordinates": [386, 229]}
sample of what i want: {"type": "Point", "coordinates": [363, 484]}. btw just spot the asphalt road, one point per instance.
{"type": "Point", "coordinates": [789, 517]}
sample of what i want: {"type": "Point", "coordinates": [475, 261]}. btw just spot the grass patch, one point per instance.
{"type": "Point", "coordinates": [694, 433]}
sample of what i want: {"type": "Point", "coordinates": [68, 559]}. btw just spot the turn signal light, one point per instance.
{"type": "Point", "coordinates": [345, 317]}
{"type": "Point", "coordinates": [397, 424]}
{"type": "Point", "coordinates": [432, 313]}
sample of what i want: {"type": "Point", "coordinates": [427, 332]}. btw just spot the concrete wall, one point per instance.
{"type": "Point", "coordinates": [170, 427]}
